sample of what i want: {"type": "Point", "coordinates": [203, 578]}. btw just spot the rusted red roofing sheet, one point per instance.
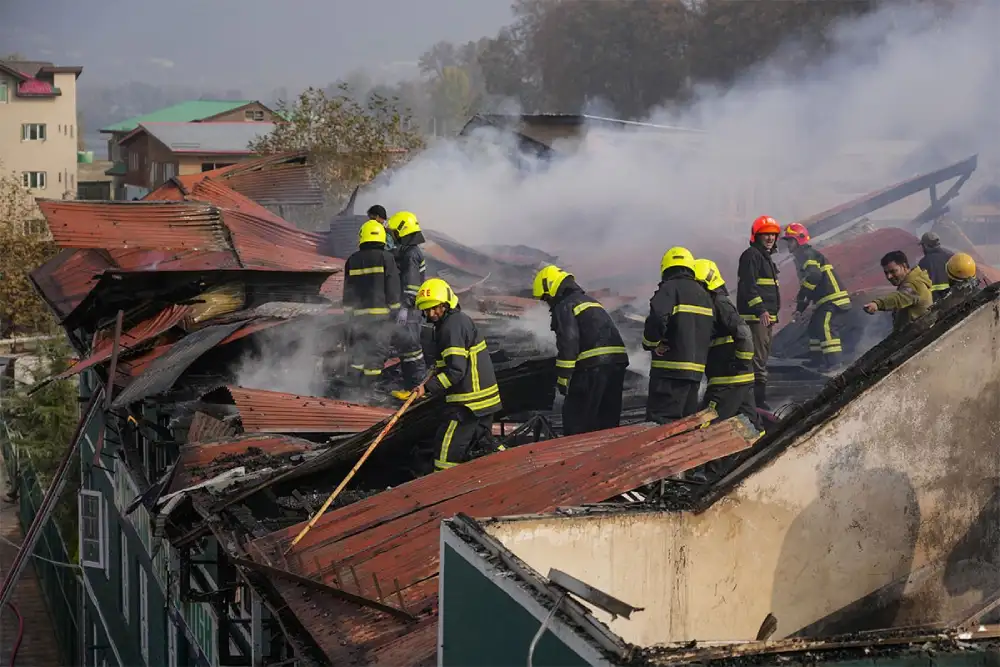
{"type": "Point", "coordinates": [279, 184]}
{"type": "Point", "coordinates": [395, 535]}
{"type": "Point", "coordinates": [205, 460]}
{"type": "Point", "coordinates": [162, 225]}
{"type": "Point", "coordinates": [135, 336]}
{"type": "Point", "coordinates": [277, 412]}
{"type": "Point", "coordinates": [68, 277]}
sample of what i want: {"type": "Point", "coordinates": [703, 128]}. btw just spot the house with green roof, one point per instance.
{"type": "Point", "coordinates": [192, 111]}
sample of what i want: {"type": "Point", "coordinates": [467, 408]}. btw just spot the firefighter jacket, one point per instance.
{"type": "Point", "coordinates": [585, 334]}
{"type": "Point", "coordinates": [757, 289]}
{"type": "Point", "coordinates": [910, 300]}
{"type": "Point", "coordinates": [730, 354]}
{"type": "Point", "coordinates": [412, 267]}
{"type": "Point", "coordinates": [371, 282]}
{"type": "Point", "coordinates": [680, 318]}
{"type": "Point", "coordinates": [818, 282]}
{"type": "Point", "coordinates": [934, 263]}
{"type": "Point", "coordinates": [465, 372]}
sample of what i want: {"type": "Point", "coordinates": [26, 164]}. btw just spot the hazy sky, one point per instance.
{"type": "Point", "coordinates": [249, 44]}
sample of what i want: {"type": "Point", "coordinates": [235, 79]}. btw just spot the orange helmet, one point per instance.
{"type": "Point", "coordinates": [765, 224]}
{"type": "Point", "coordinates": [797, 233]}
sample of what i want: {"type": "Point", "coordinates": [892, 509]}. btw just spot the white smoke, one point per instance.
{"type": "Point", "coordinates": [903, 92]}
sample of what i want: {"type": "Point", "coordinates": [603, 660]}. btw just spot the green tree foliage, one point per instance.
{"type": "Point", "coordinates": [639, 54]}
{"type": "Point", "coordinates": [26, 245]}
{"type": "Point", "coordinates": [350, 142]}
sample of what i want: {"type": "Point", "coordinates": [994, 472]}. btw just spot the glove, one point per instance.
{"type": "Point", "coordinates": [402, 315]}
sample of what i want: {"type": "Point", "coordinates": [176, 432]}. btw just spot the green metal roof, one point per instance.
{"type": "Point", "coordinates": [185, 112]}
{"type": "Point", "coordinates": [117, 169]}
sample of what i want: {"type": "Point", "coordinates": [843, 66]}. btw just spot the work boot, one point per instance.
{"type": "Point", "coordinates": [760, 395]}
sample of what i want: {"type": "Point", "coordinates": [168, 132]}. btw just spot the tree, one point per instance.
{"type": "Point", "coordinates": [26, 245]}
{"type": "Point", "coordinates": [453, 98]}
{"type": "Point", "coordinates": [349, 142]}
{"type": "Point", "coordinates": [435, 59]}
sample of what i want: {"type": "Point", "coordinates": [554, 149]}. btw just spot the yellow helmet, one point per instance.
{"type": "Point", "coordinates": [434, 292]}
{"type": "Point", "coordinates": [706, 271]}
{"type": "Point", "coordinates": [548, 280]}
{"type": "Point", "coordinates": [371, 232]}
{"type": "Point", "coordinates": [403, 224]}
{"type": "Point", "coordinates": [961, 266]}
{"type": "Point", "coordinates": [677, 256]}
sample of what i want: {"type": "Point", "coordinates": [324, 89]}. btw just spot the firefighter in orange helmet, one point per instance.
{"type": "Point", "coordinates": [819, 284]}
{"type": "Point", "coordinates": [757, 297]}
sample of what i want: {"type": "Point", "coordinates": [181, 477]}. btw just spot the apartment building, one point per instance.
{"type": "Point", "coordinates": [38, 130]}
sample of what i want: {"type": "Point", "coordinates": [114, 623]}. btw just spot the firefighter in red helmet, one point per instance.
{"type": "Point", "coordinates": [819, 284]}
{"type": "Point", "coordinates": [757, 297]}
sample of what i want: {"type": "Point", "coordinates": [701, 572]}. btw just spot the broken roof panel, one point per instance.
{"type": "Point", "coordinates": [206, 428]}
{"type": "Point", "coordinates": [277, 412]}
{"type": "Point", "coordinates": [198, 462]}
{"type": "Point", "coordinates": [162, 225]}
{"type": "Point", "coordinates": [395, 535]}
{"type": "Point", "coordinates": [67, 278]}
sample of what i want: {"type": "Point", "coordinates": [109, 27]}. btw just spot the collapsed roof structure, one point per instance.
{"type": "Point", "coordinates": [185, 305]}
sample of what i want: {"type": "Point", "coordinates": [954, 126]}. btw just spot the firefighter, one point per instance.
{"type": "Point", "coordinates": [377, 212]}
{"type": "Point", "coordinates": [405, 229]}
{"type": "Point", "coordinates": [933, 262]}
{"type": "Point", "coordinates": [371, 299]}
{"type": "Point", "coordinates": [819, 285]}
{"type": "Point", "coordinates": [591, 362]}
{"type": "Point", "coordinates": [912, 297]}
{"type": "Point", "coordinates": [466, 376]}
{"type": "Point", "coordinates": [961, 270]}
{"type": "Point", "coordinates": [677, 333]}
{"type": "Point", "coordinates": [757, 297]}
{"type": "Point", "coordinates": [729, 367]}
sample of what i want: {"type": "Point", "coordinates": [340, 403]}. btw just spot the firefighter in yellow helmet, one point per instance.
{"type": "Point", "coordinates": [371, 299]}
{"type": "Point", "coordinates": [729, 367]}
{"type": "Point", "coordinates": [961, 271]}
{"type": "Point", "coordinates": [591, 361]}
{"type": "Point", "coordinates": [405, 229]}
{"type": "Point", "coordinates": [677, 332]}
{"type": "Point", "coordinates": [465, 375]}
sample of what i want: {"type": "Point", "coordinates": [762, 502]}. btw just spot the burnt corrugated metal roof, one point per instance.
{"type": "Point", "coordinates": [395, 535]}
{"type": "Point", "coordinates": [67, 278]}
{"type": "Point", "coordinates": [166, 369]}
{"type": "Point", "coordinates": [206, 460]}
{"type": "Point", "coordinates": [206, 428]}
{"type": "Point", "coordinates": [144, 331]}
{"type": "Point", "coordinates": [277, 412]}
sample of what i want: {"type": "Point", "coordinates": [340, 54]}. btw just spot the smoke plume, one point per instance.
{"type": "Point", "coordinates": [903, 92]}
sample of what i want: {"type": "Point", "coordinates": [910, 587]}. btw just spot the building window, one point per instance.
{"type": "Point", "coordinates": [143, 614]}
{"type": "Point", "coordinates": [33, 132]}
{"type": "Point", "coordinates": [133, 160]}
{"type": "Point", "coordinates": [123, 577]}
{"type": "Point", "coordinates": [169, 170]}
{"type": "Point", "coordinates": [253, 114]}
{"type": "Point", "coordinates": [71, 130]}
{"type": "Point", "coordinates": [209, 166]}
{"type": "Point", "coordinates": [34, 180]}
{"type": "Point", "coordinates": [4, 93]}
{"type": "Point", "coordinates": [93, 545]}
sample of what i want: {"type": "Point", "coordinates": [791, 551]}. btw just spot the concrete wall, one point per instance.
{"type": "Point", "coordinates": [56, 155]}
{"type": "Point", "coordinates": [885, 516]}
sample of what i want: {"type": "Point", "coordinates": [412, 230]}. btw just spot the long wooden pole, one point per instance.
{"type": "Point", "coordinates": [357, 466]}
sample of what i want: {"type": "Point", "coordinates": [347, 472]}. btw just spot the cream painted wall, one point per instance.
{"type": "Point", "coordinates": [897, 493]}
{"type": "Point", "coordinates": [56, 156]}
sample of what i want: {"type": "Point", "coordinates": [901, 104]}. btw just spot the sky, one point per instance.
{"type": "Point", "coordinates": [252, 45]}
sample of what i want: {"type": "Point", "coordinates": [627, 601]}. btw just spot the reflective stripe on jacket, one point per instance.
{"type": "Point", "coordinates": [757, 289]}
{"type": "Point", "coordinates": [585, 334]}
{"type": "Point", "coordinates": [934, 262]}
{"type": "Point", "coordinates": [730, 354]}
{"type": "Point", "coordinates": [466, 374]}
{"type": "Point", "coordinates": [681, 317]}
{"type": "Point", "coordinates": [412, 270]}
{"type": "Point", "coordinates": [818, 281]}
{"type": "Point", "coordinates": [371, 282]}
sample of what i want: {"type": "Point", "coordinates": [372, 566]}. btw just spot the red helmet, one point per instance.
{"type": "Point", "coordinates": [797, 233]}
{"type": "Point", "coordinates": [765, 224]}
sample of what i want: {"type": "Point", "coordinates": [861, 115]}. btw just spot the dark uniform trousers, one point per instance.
{"type": "Point", "coordinates": [369, 347]}
{"type": "Point", "coordinates": [594, 399]}
{"type": "Point", "coordinates": [457, 433]}
{"type": "Point", "coordinates": [671, 399]}
{"type": "Point", "coordinates": [729, 400]}
{"type": "Point", "coordinates": [407, 343]}
{"type": "Point", "coordinates": [824, 333]}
